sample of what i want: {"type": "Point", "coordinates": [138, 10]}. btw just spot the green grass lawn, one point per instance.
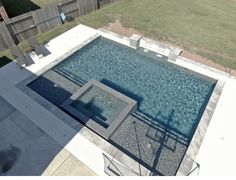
{"type": "Point", "coordinates": [206, 28]}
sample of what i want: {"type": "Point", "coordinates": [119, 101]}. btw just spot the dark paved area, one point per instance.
{"type": "Point", "coordinates": [24, 148]}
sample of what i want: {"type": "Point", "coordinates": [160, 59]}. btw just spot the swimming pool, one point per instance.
{"type": "Point", "coordinates": [170, 99]}
{"type": "Point", "coordinates": [160, 88]}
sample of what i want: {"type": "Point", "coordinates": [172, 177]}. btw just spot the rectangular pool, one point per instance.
{"type": "Point", "coordinates": [170, 99]}
{"type": "Point", "coordinates": [158, 86]}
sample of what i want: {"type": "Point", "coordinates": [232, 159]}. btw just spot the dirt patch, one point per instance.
{"type": "Point", "coordinates": [118, 28]}
{"type": "Point", "coordinates": [202, 60]}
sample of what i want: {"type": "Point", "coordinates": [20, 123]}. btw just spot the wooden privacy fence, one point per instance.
{"type": "Point", "coordinates": [42, 20]}
{"type": "Point", "coordinates": [47, 18]}
{"type": "Point", "coordinates": [21, 27]}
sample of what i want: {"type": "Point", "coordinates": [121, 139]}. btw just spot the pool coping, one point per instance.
{"type": "Point", "coordinates": [206, 117]}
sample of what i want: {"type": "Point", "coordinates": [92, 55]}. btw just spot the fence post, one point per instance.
{"type": "Point", "coordinates": [47, 18]}
{"type": "Point", "coordinates": [6, 35]}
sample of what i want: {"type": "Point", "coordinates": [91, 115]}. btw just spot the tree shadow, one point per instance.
{"type": "Point", "coordinates": [8, 158]}
{"type": "Point", "coordinates": [18, 7]}
{"type": "Point", "coordinates": [91, 110]}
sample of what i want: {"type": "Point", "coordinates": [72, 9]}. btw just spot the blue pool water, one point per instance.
{"type": "Point", "coordinates": [165, 92]}
{"type": "Point", "coordinates": [99, 105]}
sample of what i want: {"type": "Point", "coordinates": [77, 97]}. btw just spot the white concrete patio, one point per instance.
{"type": "Point", "coordinates": [26, 125]}
{"type": "Point", "coordinates": [217, 152]}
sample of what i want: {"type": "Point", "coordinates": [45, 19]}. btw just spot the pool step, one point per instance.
{"type": "Point", "coordinates": [72, 78]}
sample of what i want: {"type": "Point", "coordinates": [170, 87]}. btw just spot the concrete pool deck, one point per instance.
{"type": "Point", "coordinates": [216, 155]}
{"type": "Point", "coordinates": [28, 150]}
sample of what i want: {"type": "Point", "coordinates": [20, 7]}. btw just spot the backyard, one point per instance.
{"type": "Point", "coordinates": [206, 28]}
